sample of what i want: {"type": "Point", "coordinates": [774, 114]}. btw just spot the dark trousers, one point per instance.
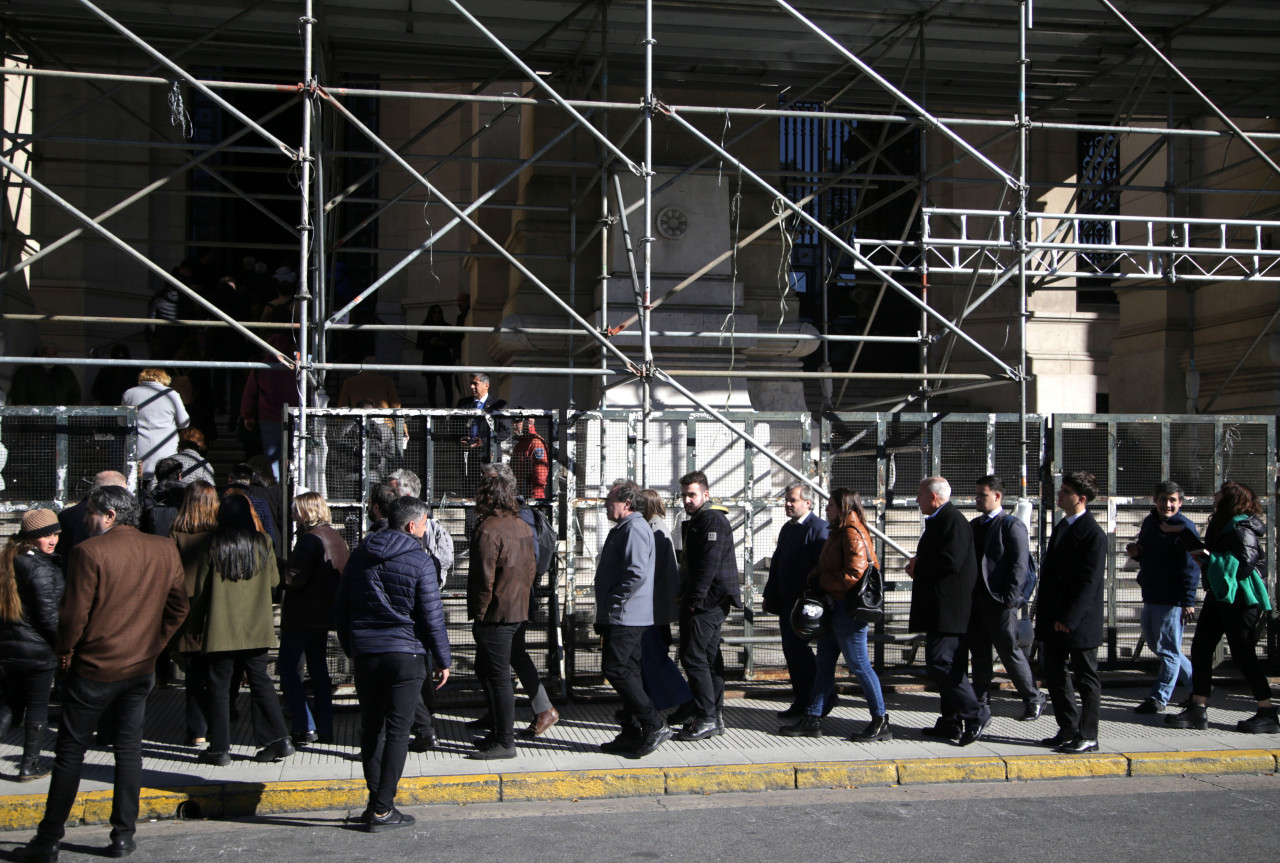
{"type": "Point", "coordinates": [268, 718]}
{"type": "Point", "coordinates": [701, 657]}
{"type": "Point", "coordinates": [994, 625]}
{"type": "Point", "coordinates": [424, 711]}
{"type": "Point", "coordinates": [84, 701]}
{"type": "Point", "coordinates": [1241, 625]}
{"type": "Point", "coordinates": [801, 667]}
{"type": "Point", "coordinates": [662, 679]}
{"type": "Point", "coordinates": [1083, 665]}
{"type": "Point", "coordinates": [620, 662]}
{"type": "Point", "coordinates": [26, 694]}
{"type": "Point", "coordinates": [388, 686]}
{"type": "Point", "coordinates": [493, 667]}
{"type": "Point", "coordinates": [197, 676]}
{"type": "Point", "coordinates": [945, 660]}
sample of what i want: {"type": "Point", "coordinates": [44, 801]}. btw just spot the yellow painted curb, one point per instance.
{"type": "Point", "coordinates": [1088, 766]}
{"type": "Point", "coordinates": [580, 784]}
{"type": "Point", "coordinates": [480, 788]}
{"type": "Point", "coordinates": [21, 811]}
{"type": "Point", "coordinates": [841, 774]}
{"type": "Point", "coordinates": [1175, 763]}
{"type": "Point", "coordinates": [277, 797]}
{"type": "Point", "coordinates": [735, 777]}
{"type": "Point", "coordinates": [978, 769]}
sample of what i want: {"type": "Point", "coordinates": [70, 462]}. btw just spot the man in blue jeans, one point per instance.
{"type": "Point", "coordinates": [388, 614]}
{"type": "Point", "coordinates": [1168, 576]}
{"type": "Point", "coordinates": [126, 596]}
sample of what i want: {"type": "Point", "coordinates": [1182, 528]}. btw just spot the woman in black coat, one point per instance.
{"type": "Point", "coordinates": [31, 587]}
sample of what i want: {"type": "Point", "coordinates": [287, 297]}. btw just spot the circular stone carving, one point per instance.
{"type": "Point", "coordinates": [672, 223]}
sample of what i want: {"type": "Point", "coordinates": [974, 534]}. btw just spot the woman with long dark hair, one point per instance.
{"type": "Point", "coordinates": [499, 580]}
{"type": "Point", "coordinates": [845, 558]}
{"type": "Point", "coordinates": [192, 530]}
{"type": "Point", "coordinates": [31, 586]}
{"type": "Point", "coordinates": [1235, 605]}
{"type": "Point", "coordinates": [232, 611]}
{"type": "Point", "coordinates": [306, 617]}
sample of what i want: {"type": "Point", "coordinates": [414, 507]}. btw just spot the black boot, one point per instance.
{"type": "Point", "coordinates": [1194, 716]}
{"type": "Point", "coordinates": [877, 729]}
{"type": "Point", "coordinates": [1265, 721]}
{"type": "Point", "coordinates": [30, 768]}
{"type": "Point", "coordinates": [809, 726]}
{"type": "Point", "coordinates": [6, 720]}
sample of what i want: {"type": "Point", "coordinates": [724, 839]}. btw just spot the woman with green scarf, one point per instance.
{"type": "Point", "coordinates": [1235, 605]}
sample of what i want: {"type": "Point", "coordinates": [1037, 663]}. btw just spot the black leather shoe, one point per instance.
{"type": "Point", "coordinates": [809, 726]}
{"type": "Point", "coordinates": [302, 738]}
{"type": "Point", "coordinates": [973, 731]}
{"type": "Point", "coordinates": [682, 714]}
{"type": "Point", "coordinates": [877, 729]}
{"type": "Point", "coordinates": [700, 729]}
{"type": "Point", "coordinates": [1195, 716]}
{"type": "Point", "coordinates": [217, 759]}
{"type": "Point", "coordinates": [388, 821]}
{"type": "Point", "coordinates": [795, 711]}
{"type": "Point", "coordinates": [423, 742]}
{"type": "Point", "coordinates": [1032, 708]}
{"type": "Point", "coordinates": [1149, 706]}
{"type": "Point", "coordinates": [1077, 746]}
{"type": "Point", "coordinates": [653, 740]}
{"type": "Point", "coordinates": [624, 744]}
{"type": "Point", "coordinates": [943, 730]}
{"type": "Point", "coordinates": [1064, 735]}
{"type": "Point", "coordinates": [122, 846]}
{"type": "Point", "coordinates": [38, 851]}
{"type": "Point", "coordinates": [277, 750]}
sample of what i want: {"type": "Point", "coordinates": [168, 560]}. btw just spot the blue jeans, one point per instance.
{"type": "Point", "coordinates": [270, 432]}
{"type": "Point", "coordinates": [843, 634]}
{"type": "Point", "coordinates": [1162, 628]}
{"type": "Point", "coordinates": [293, 646]}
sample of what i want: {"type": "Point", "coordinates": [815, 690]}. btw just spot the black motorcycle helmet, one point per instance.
{"type": "Point", "coordinates": [806, 617]}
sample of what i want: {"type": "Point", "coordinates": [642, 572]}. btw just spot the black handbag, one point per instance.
{"type": "Point", "coordinates": [866, 603]}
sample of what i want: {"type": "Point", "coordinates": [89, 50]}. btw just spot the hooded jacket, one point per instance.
{"type": "Point", "coordinates": [389, 600]}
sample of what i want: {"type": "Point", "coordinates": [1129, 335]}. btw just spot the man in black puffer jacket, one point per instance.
{"type": "Point", "coordinates": [388, 615]}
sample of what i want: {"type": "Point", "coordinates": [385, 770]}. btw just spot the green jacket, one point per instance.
{"type": "Point", "coordinates": [236, 615]}
{"type": "Point", "coordinates": [1231, 574]}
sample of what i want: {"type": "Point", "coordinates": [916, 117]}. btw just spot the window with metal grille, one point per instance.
{"type": "Point", "coordinates": [1098, 163]}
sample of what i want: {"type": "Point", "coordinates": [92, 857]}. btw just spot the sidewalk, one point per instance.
{"type": "Point", "coordinates": [566, 763]}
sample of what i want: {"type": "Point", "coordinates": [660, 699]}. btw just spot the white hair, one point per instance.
{"type": "Point", "coordinates": [939, 486]}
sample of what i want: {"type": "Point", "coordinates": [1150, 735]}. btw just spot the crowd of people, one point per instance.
{"type": "Point", "coordinates": [92, 595]}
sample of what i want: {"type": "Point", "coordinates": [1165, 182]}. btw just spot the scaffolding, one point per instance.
{"type": "Point", "coordinates": [939, 71]}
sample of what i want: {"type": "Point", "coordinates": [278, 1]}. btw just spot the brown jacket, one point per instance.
{"type": "Point", "coordinates": [843, 560]}
{"type": "Point", "coordinates": [501, 573]}
{"type": "Point", "coordinates": [125, 598]}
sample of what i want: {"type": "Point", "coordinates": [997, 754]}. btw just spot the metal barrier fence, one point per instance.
{"type": "Point", "coordinates": [49, 455]}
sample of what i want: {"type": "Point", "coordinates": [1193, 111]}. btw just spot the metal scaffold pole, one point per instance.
{"type": "Point", "coordinates": [302, 299]}
{"type": "Point", "coordinates": [1024, 23]}
{"type": "Point", "coordinates": [647, 240]}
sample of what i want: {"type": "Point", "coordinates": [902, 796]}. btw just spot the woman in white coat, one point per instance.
{"type": "Point", "coordinates": [160, 415]}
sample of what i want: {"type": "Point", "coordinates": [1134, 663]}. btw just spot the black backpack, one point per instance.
{"type": "Point", "coordinates": [545, 537]}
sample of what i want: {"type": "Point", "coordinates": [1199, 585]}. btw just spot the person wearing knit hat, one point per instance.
{"type": "Point", "coordinates": [31, 587]}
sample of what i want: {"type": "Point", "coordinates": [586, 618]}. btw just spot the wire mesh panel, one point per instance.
{"type": "Point", "coordinates": [49, 455]}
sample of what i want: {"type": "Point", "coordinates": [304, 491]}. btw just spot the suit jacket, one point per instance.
{"type": "Point", "coordinates": [126, 595]}
{"type": "Point", "coordinates": [501, 424]}
{"type": "Point", "coordinates": [799, 547]}
{"type": "Point", "coordinates": [945, 572]}
{"type": "Point", "coordinates": [1072, 574]}
{"type": "Point", "coordinates": [1002, 561]}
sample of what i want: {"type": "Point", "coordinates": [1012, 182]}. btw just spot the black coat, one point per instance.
{"type": "Point", "coordinates": [493, 407]}
{"type": "Point", "coordinates": [709, 567]}
{"type": "Point", "coordinates": [27, 644]}
{"type": "Point", "coordinates": [945, 572]}
{"type": "Point", "coordinates": [1072, 575]}
{"type": "Point", "coordinates": [797, 553]}
{"type": "Point", "coordinates": [1002, 568]}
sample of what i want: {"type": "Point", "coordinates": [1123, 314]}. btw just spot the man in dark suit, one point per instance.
{"type": "Point", "coordinates": [1069, 615]}
{"type": "Point", "coordinates": [944, 572]}
{"type": "Point", "coordinates": [477, 431]}
{"type": "Point", "coordinates": [799, 544]}
{"type": "Point", "coordinates": [1001, 545]}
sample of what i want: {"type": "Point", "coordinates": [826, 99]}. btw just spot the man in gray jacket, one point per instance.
{"type": "Point", "coordinates": [624, 610]}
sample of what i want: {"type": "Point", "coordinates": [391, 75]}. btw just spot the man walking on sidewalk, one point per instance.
{"type": "Point", "coordinates": [624, 610]}
{"type": "Point", "coordinates": [125, 597]}
{"type": "Point", "coordinates": [709, 587]}
{"type": "Point", "coordinates": [1001, 544]}
{"type": "Point", "coordinates": [388, 615]}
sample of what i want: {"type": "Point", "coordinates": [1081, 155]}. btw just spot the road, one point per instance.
{"type": "Point", "coordinates": [1208, 818]}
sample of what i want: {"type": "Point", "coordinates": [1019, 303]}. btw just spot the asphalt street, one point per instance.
{"type": "Point", "coordinates": [1202, 818]}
